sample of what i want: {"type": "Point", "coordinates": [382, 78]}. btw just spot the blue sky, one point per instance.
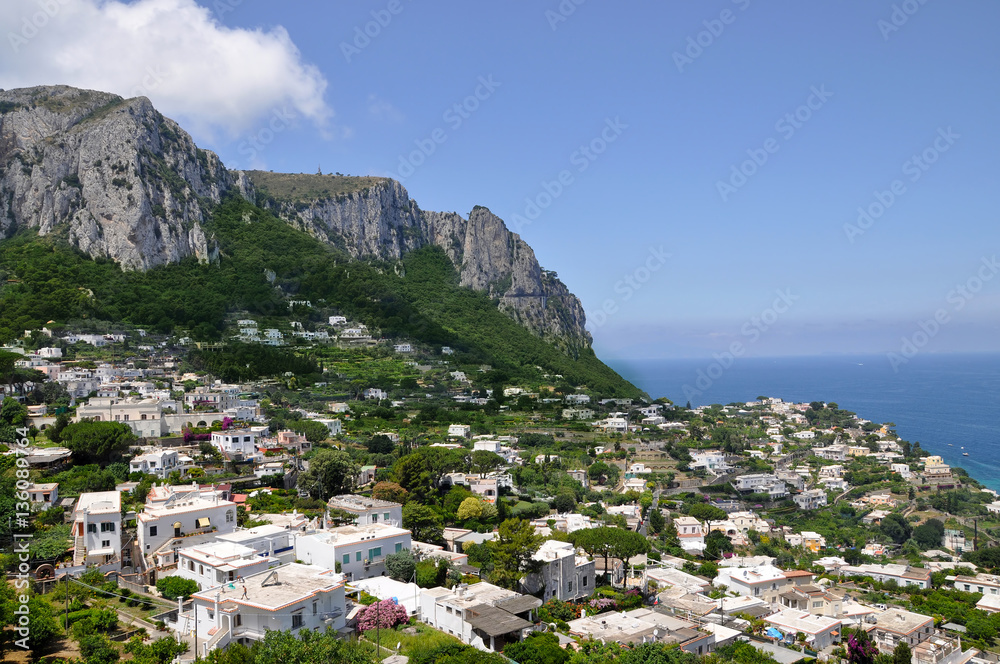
{"type": "Point", "coordinates": [671, 253]}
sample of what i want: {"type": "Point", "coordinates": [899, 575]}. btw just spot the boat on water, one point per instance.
{"type": "Point", "coordinates": [965, 454]}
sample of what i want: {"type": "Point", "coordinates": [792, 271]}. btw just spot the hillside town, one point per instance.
{"type": "Point", "coordinates": [400, 492]}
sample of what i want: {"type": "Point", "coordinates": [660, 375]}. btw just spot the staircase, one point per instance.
{"type": "Point", "coordinates": [79, 551]}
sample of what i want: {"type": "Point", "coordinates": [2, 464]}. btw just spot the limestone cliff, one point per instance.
{"type": "Point", "coordinates": [114, 176]}
{"type": "Point", "coordinates": [375, 218]}
{"type": "Point", "coordinates": [120, 181]}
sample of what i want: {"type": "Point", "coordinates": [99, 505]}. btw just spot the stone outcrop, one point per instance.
{"type": "Point", "coordinates": [120, 181]}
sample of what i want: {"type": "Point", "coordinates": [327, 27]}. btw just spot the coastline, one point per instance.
{"type": "Point", "coordinates": [944, 402]}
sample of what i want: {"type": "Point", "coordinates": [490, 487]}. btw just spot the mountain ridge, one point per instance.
{"type": "Point", "coordinates": [121, 181]}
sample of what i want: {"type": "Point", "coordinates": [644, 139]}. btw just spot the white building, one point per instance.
{"type": "Point", "coordinates": [691, 534]}
{"type": "Point", "coordinates": [143, 416]}
{"type": "Point", "coordinates": [267, 540]}
{"type": "Point", "coordinates": [174, 511]}
{"type": "Point", "coordinates": [369, 510]}
{"type": "Point", "coordinates": [563, 574]}
{"type": "Point", "coordinates": [811, 499]}
{"type": "Point", "coordinates": [903, 575]}
{"type": "Point", "coordinates": [269, 469]}
{"type": "Point", "coordinates": [45, 494]}
{"type": "Point", "coordinates": [210, 565]}
{"type": "Point", "coordinates": [482, 615]}
{"type": "Point", "coordinates": [359, 551]}
{"type": "Point", "coordinates": [333, 425]}
{"type": "Point", "coordinates": [766, 582]}
{"type": "Point", "coordinates": [97, 528]}
{"type": "Point", "coordinates": [236, 442]}
{"type": "Point", "coordinates": [160, 462]}
{"type": "Point", "coordinates": [292, 598]}
{"type": "Point", "coordinates": [714, 461]}
{"type": "Point", "coordinates": [821, 631]}
{"type": "Point", "coordinates": [459, 430]}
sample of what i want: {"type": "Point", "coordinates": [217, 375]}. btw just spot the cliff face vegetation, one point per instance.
{"type": "Point", "coordinates": [117, 180]}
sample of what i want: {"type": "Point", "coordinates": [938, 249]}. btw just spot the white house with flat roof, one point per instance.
{"type": "Point", "coordinates": [210, 565]}
{"type": "Point", "coordinates": [175, 511]}
{"type": "Point", "coordinates": [481, 614]}
{"type": "Point", "coordinates": [292, 597]}
{"type": "Point", "coordinates": [368, 510]}
{"type": "Point", "coordinates": [691, 534]}
{"type": "Point", "coordinates": [241, 442]}
{"type": "Point", "coordinates": [269, 540]}
{"type": "Point", "coordinates": [821, 631]}
{"type": "Point", "coordinates": [97, 528]}
{"type": "Point", "coordinates": [359, 551]}
{"type": "Point", "coordinates": [160, 462]}
{"type": "Point", "coordinates": [46, 495]}
{"type": "Point", "coordinates": [562, 575]}
{"type": "Point", "coordinates": [459, 430]}
{"type": "Point", "coordinates": [895, 625]}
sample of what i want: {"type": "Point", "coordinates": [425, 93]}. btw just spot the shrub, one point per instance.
{"type": "Point", "coordinates": [384, 615]}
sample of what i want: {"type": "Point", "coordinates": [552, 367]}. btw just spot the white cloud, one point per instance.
{"type": "Point", "coordinates": [209, 77]}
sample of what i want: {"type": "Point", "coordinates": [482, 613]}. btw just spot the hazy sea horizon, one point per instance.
{"type": "Point", "coordinates": [949, 403]}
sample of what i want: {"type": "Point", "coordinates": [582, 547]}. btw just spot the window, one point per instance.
{"type": "Point", "coordinates": [347, 558]}
{"type": "Point", "coordinates": [296, 620]}
{"type": "Point", "coordinates": [569, 586]}
{"type": "Point", "coordinates": [357, 556]}
{"type": "Point", "coordinates": [152, 531]}
{"type": "Point", "coordinates": [105, 543]}
{"type": "Point", "coordinates": [374, 553]}
{"type": "Point", "coordinates": [374, 518]}
{"type": "Point", "coordinates": [399, 547]}
{"type": "Point", "coordinates": [584, 582]}
{"type": "Point", "coordinates": [108, 527]}
{"type": "Point", "coordinates": [201, 569]}
{"type": "Point", "coordinates": [211, 614]}
{"type": "Point", "coordinates": [92, 528]}
{"type": "Point", "coordinates": [229, 516]}
{"type": "Point", "coordinates": [386, 515]}
{"type": "Point", "coordinates": [246, 439]}
{"type": "Point", "coordinates": [817, 605]}
{"type": "Point", "coordinates": [756, 592]}
{"type": "Point", "coordinates": [314, 608]}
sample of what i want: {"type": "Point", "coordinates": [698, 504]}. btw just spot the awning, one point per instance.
{"type": "Point", "coordinates": [203, 522]}
{"type": "Point", "coordinates": [107, 551]}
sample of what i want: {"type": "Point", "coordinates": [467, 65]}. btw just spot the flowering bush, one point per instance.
{"type": "Point", "coordinates": [860, 649]}
{"type": "Point", "coordinates": [602, 603]}
{"type": "Point", "coordinates": [226, 423]}
{"type": "Point", "coordinates": [385, 615]}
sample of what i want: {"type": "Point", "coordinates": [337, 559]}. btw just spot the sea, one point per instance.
{"type": "Point", "coordinates": [949, 403]}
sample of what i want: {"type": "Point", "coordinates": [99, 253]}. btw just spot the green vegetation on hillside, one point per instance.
{"type": "Point", "coordinates": [262, 262]}
{"type": "Point", "coordinates": [301, 187]}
